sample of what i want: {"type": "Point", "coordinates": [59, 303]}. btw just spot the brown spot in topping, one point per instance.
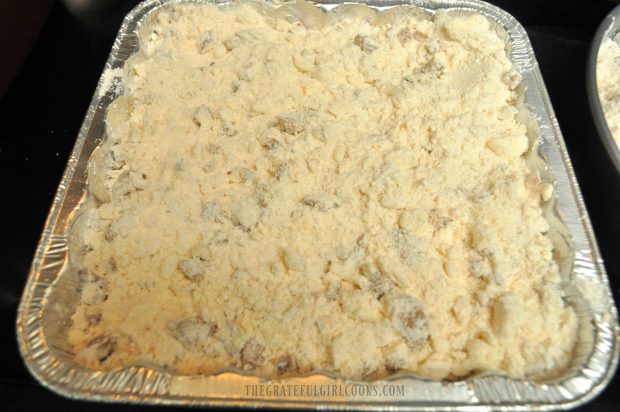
{"type": "Point", "coordinates": [109, 234]}
{"type": "Point", "coordinates": [252, 354]}
{"type": "Point", "coordinates": [94, 319]}
{"type": "Point", "coordinates": [282, 170]}
{"type": "Point", "coordinates": [285, 364]}
{"type": "Point", "coordinates": [291, 123]}
{"type": "Point", "coordinates": [404, 35]}
{"type": "Point", "coordinates": [86, 249]}
{"type": "Point", "coordinates": [104, 346]}
{"type": "Point", "coordinates": [366, 45]}
{"type": "Point", "coordinates": [271, 144]}
{"type": "Point", "coordinates": [192, 331]}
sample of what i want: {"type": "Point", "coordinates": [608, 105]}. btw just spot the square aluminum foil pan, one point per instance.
{"type": "Point", "coordinates": [50, 294]}
{"type": "Point", "coordinates": [608, 29]}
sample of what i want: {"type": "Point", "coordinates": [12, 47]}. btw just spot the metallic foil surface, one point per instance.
{"type": "Point", "coordinates": [51, 293]}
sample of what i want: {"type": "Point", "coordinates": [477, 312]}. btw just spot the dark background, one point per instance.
{"type": "Point", "coordinates": [42, 109]}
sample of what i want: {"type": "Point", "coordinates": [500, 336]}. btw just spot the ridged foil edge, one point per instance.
{"type": "Point", "coordinates": [589, 281]}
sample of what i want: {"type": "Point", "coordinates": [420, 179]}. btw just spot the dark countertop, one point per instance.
{"type": "Point", "coordinates": [41, 113]}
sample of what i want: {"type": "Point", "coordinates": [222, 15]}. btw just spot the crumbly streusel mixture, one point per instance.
{"type": "Point", "coordinates": [349, 197]}
{"type": "Point", "coordinates": [608, 82]}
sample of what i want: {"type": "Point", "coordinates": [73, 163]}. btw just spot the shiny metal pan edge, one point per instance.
{"type": "Point", "coordinates": [41, 312]}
